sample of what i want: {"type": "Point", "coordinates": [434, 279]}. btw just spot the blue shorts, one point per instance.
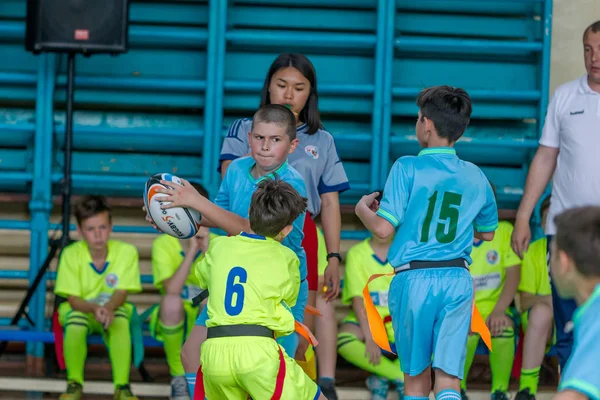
{"type": "Point", "coordinates": [289, 342]}
{"type": "Point", "coordinates": [431, 315]}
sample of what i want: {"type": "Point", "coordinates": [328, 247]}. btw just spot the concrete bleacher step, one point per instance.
{"type": "Point", "coordinates": [154, 390]}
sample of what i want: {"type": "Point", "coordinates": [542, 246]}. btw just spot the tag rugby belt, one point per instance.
{"type": "Point", "coordinates": [377, 325]}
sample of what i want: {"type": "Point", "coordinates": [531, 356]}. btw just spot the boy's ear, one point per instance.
{"type": "Point", "coordinates": [294, 145]}
{"type": "Point", "coordinates": [567, 265]}
{"type": "Point", "coordinates": [429, 127]}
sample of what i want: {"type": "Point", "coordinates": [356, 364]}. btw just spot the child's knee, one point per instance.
{"type": "Point", "coordinates": [77, 321]}
{"type": "Point", "coordinates": [347, 330]}
{"type": "Point", "coordinates": [76, 330]}
{"type": "Point", "coordinates": [508, 332]}
{"type": "Point", "coordinates": [119, 324]}
{"type": "Point", "coordinates": [171, 309]}
{"type": "Point", "coordinates": [540, 318]}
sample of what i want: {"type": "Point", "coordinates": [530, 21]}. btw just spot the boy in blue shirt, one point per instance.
{"type": "Point", "coordinates": [431, 204]}
{"type": "Point", "coordinates": [575, 270]}
{"type": "Point", "coordinates": [272, 138]}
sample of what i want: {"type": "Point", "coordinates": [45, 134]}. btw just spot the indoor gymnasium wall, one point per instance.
{"type": "Point", "coordinates": [570, 18]}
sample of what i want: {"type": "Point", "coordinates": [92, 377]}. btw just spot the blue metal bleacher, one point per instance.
{"type": "Point", "coordinates": [196, 65]}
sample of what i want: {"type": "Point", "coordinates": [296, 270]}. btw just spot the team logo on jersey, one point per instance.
{"type": "Point", "coordinates": [112, 280]}
{"type": "Point", "coordinates": [492, 257]}
{"type": "Point", "coordinates": [312, 151]}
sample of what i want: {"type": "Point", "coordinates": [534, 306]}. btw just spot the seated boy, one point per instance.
{"type": "Point", "coordinates": [253, 281]}
{"type": "Point", "coordinates": [172, 320]}
{"type": "Point", "coordinates": [536, 318]}
{"type": "Point", "coordinates": [95, 275]}
{"type": "Point", "coordinates": [575, 270]}
{"type": "Point", "coordinates": [496, 274]}
{"type": "Point", "coordinates": [272, 138]}
{"type": "Point", "coordinates": [355, 342]}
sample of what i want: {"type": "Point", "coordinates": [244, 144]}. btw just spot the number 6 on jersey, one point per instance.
{"type": "Point", "coordinates": [234, 292]}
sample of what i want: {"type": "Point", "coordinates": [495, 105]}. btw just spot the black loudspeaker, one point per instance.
{"type": "Point", "coordinates": [77, 26]}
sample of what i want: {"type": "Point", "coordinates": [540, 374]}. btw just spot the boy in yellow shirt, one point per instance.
{"type": "Point", "coordinates": [172, 320]}
{"type": "Point", "coordinates": [537, 316]}
{"type": "Point", "coordinates": [355, 342]}
{"type": "Point", "coordinates": [496, 274]}
{"type": "Point", "coordinates": [253, 282]}
{"type": "Point", "coordinates": [95, 275]}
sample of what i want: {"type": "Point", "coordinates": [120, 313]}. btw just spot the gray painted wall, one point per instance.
{"type": "Point", "coordinates": [570, 18]}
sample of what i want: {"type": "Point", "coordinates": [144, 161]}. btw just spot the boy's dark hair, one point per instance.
{"type": "Point", "coordinates": [310, 112]}
{"type": "Point", "coordinates": [578, 235]}
{"type": "Point", "coordinates": [276, 114]}
{"type": "Point", "coordinates": [275, 205]}
{"type": "Point", "coordinates": [89, 206]}
{"type": "Point", "coordinates": [449, 109]}
{"type": "Point", "coordinates": [201, 189]}
{"type": "Point", "coordinates": [595, 28]}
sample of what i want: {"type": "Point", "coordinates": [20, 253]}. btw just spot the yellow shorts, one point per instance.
{"type": "Point", "coordinates": [234, 368]}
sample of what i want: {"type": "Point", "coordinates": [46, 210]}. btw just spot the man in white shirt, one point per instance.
{"type": "Point", "coordinates": [569, 152]}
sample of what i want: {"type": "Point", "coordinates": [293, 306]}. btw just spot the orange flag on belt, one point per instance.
{"type": "Point", "coordinates": [379, 333]}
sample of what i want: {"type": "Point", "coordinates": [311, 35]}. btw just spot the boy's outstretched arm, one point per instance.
{"type": "Point", "coordinates": [186, 196]}
{"type": "Point", "coordinates": [366, 210]}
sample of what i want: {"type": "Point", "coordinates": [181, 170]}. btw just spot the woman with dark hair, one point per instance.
{"type": "Point", "coordinates": [292, 81]}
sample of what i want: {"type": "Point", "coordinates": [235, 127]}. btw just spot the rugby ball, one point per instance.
{"type": "Point", "coordinates": [179, 222]}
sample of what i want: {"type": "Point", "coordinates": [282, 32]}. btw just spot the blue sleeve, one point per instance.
{"type": "Point", "coordinates": [581, 372]}
{"type": "Point", "coordinates": [487, 219]}
{"type": "Point", "coordinates": [222, 198]}
{"type": "Point", "coordinates": [235, 144]}
{"type": "Point", "coordinates": [334, 177]}
{"type": "Point", "coordinates": [395, 195]}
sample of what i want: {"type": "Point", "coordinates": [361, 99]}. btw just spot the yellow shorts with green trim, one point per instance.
{"type": "Point", "coordinates": [66, 312]}
{"type": "Point", "coordinates": [525, 322]}
{"type": "Point", "coordinates": [234, 368]}
{"type": "Point", "coordinates": [191, 313]}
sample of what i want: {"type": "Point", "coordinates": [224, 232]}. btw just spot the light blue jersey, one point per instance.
{"type": "Point", "coordinates": [239, 185]}
{"type": "Point", "coordinates": [581, 372]}
{"type": "Point", "coordinates": [434, 200]}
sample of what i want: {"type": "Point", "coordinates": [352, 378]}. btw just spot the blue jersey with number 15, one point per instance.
{"type": "Point", "coordinates": [434, 201]}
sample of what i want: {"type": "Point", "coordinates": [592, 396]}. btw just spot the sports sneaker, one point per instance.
{"type": "Point", "coordinates": [328, 389]}
{"type": "Point", "coordinates": [124, 393]}
{"type": "Point", "coordinates": [74, 392]}
{"type": "Point", "coordinates": [378, 387]}
{"type": "Point", "coordinates": [463, 394]}
{"type": "Point", "coordinates": [499, 395]}
{"type": "Point", "coordinates": [399, 389]}
{"type": "Point", "coordinates": [179, 389]}
{"type": "Point", "coordinates": [524, 395]}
